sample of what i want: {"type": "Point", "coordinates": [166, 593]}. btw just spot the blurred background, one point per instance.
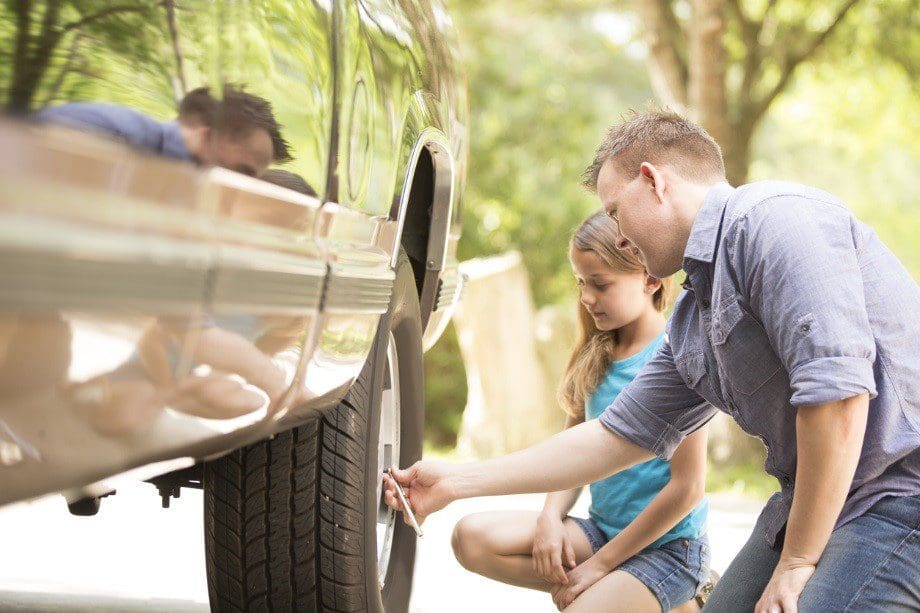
{"type": "Point", "coordinates": [823, 93]}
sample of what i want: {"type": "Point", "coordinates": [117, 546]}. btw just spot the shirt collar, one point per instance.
{"type": "Point", "coordinates": [704, 233]}
{"type": "Point", "coordinates": [173, 145]}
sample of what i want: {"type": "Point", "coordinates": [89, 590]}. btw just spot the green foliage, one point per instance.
{"type": "Point", "coordinates": [851, 127]}
{"type": "Point", "coordinates": [749, 479]}
{"type": "Point", "coordinates": [445, 391]}
{"type": "Point", "coordinates": [543, 86]}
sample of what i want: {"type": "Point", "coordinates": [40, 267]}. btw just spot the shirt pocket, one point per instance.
{"type": "Point", "coordinates": [742, 349]}
{"type": "Point", "coordinates": [691, 365]}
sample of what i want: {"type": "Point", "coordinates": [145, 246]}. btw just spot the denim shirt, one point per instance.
{"type": "Point", "coordinates": [789, 301]}
{"type": "Point", "coordinates": [133, 127]}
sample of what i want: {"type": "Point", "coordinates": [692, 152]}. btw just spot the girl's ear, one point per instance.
{"type": "Point", "coordinates": [652, 284]}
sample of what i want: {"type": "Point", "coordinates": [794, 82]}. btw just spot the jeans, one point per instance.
{"type": "Point", "coordinates": [673, 572]}
{"type": "Point", "coordinates": [870, 564]}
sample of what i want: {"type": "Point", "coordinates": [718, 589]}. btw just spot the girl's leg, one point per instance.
{"type": "Point", "coordinates": [498, 545]}
{"type": "Point", "coordinates": [618, 591]}
{"type": "Point", "coordinates": [690, 606]}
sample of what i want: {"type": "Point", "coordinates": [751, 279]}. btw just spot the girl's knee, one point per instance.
{"type": "Point", "coordinates": [467, 541]}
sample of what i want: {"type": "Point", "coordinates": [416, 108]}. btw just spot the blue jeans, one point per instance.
{"type": "Point", "coordinates": [870, 564]}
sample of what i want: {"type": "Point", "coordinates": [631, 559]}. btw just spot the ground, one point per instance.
{"type": "Point", "coordinates": [134, 556]}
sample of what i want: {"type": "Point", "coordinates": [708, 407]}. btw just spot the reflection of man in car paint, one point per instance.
{"type": "Point", "coordinates": [237, 131]}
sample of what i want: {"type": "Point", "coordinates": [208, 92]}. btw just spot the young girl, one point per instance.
{"type": "Point", "coordinates": [643, 547]}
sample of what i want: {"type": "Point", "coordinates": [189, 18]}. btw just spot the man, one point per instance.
{"type": "Point", "coordinates": [799, 323]}
{"type": "Point", "coordinates": [238, 132]}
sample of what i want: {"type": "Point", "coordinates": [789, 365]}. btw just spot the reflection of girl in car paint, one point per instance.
{"type": "Point", "coordinates": [239, 363]}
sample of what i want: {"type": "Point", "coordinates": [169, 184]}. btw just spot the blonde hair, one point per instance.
{"type": "Point", "coordinates": [595, 349]}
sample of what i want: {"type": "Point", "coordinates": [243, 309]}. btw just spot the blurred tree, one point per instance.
{"type": "Point", "coordinates": [725, 62]}
{"type": "Point", "coordinates": [51, 37]}
{"type": "Point", "coordinates": [542, 87]}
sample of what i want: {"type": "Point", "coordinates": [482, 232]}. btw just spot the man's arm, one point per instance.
{"type": "Point", "coordinates": [829, 441]}
{"type": "Point", "coordinates": [558, 504]}
{"type": "Point", "coordinates": [577, 456]}
{"type": "Point", "coordinates": [650, 417]}
{"type": "Point", "coordinates": [573, 458]}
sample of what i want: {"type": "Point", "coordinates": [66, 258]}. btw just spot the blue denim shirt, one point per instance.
{"type": "Point", "coordinates": [790, 301]}
{"type": "Point", "coordinates": [133, 127]}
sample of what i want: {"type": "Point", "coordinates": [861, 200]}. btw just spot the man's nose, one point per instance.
{"type": "Point", "coordinates": [623, 244]}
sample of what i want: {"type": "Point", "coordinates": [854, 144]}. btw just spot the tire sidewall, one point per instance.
{"type": "Point", "coordinates": [404, 323]}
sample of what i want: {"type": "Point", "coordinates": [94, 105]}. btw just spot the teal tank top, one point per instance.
{"type": "Point", "coordinates": [618, 499]}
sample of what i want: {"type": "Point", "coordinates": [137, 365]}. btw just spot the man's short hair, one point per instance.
{"type": "Point", "coordinates": [658, 137]}
{"type": "Point", "coordinates": [237, 113]}
{"type": "Point", "coordinates": [197, 107]}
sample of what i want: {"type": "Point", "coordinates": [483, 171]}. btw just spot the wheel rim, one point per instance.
{"type": "Point", "coordinates": [387, 455]}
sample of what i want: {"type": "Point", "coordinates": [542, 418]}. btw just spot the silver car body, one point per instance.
{"type": "Point", "coordinates": [153, 313]}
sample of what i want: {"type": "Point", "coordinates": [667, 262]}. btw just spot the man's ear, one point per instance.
{"type": "Point", "coordinates": [655, 178]}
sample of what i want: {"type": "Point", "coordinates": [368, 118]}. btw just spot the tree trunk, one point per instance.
{"type": "Point", "coordinates": [707, 68]}
{"type": "Point", "coordinates": [33, 55]}
{"type": "Point", "coordinates": [736, 149]}
{"type": "Point", "coordinates": [666, 67]}
{"type": "Point", "coordinates": [510, 403]}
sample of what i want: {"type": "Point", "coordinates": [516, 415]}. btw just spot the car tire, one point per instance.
{"type": "Point", "coordinates": [295, 523]}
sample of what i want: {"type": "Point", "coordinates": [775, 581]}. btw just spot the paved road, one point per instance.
{"type": "Point", "coordinates": [134, 556]}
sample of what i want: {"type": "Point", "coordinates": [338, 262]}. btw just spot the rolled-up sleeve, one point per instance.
{"type": "Point", "coordinates": [797, 261]}
{"type": "Point", "coordinates": [657, 410]}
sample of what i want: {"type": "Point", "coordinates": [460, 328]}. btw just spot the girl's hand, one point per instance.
{"type": "Point", "coordinates": [427, 487]}
{"type": "Point", "coordinates": [551, 549]}
{"type": "Point", "coordinates": [584, 576]}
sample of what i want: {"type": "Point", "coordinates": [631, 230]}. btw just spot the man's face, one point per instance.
{"type": "Point", "coordinates": [648, 224]}
{"type": "Point", "coordinates": [249, 154]}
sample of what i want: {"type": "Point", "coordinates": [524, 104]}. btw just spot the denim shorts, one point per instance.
{"type": "Point", "coordinates": [674, 572]}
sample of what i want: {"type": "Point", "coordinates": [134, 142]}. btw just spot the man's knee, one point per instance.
{"type": "Point", "coordinates": [468, 542]}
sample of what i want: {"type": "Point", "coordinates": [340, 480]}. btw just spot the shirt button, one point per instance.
{"type": "Point", "coordinates": [704, 303]}
{"type": "Point", "coordinates": [805, 328]}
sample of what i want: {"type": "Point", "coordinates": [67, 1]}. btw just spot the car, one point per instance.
{"type": "Point", "coordinates": [181, 307]}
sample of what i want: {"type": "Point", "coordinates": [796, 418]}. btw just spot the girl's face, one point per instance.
{"type": "Point", "coordinates": [612, 297]}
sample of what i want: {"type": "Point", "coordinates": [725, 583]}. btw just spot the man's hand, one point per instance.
{"type": "Point", "coordinates": [427, 486]}
{"type": "Point", "coordinates": [782, 592]}
{"type": "Point", "coordinates": [584, 576]}
{"type": "Point", "coordinates": [551, 544]}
